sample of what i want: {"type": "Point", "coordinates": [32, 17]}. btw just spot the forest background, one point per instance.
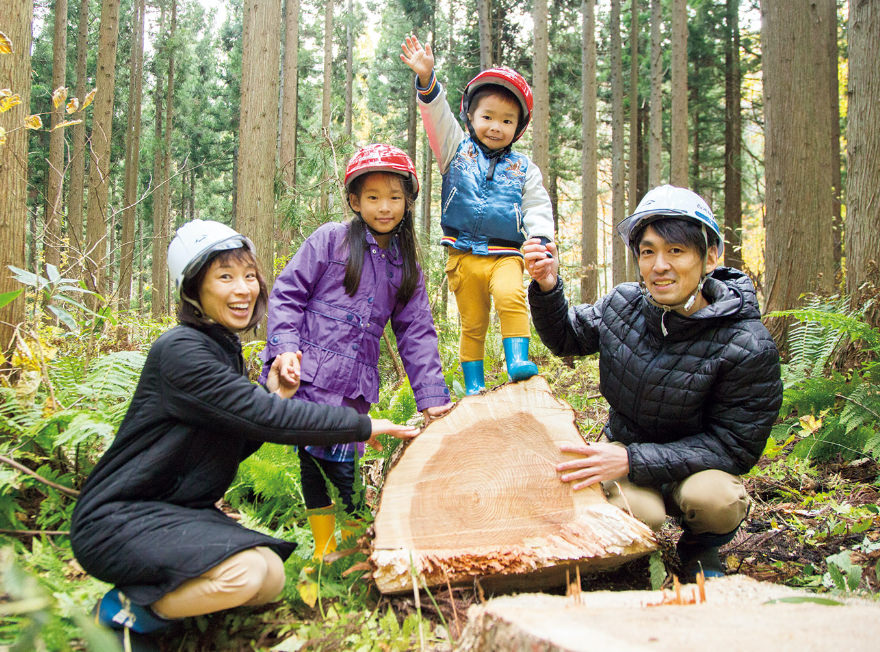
{"type": "Point", "coordinates": [122, 119]}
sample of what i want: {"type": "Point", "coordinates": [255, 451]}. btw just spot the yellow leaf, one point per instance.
{"type": "Point", "coordinates": [59, 96]}
{"type": "Point", "coordinates": [5, 92]}
{"type": "Point", "coordinates": [5, 44]}
{"type": "Point", "coordinates": [73, 105]}
{"type": "Point", "coordinates": [2, 142]}
{"type": "Point", "coordinates": [809, 425]}
{"type": "Point", "coordinates": [66, 123]}
{"type": "Point", "coordinates": [308, 591]}
{"type": "Point", "coordinates": [33, 122]}
{"type": "Point", "coordinates": [89, 99]}
{"type": "Point", "coordinates": [9, 101]}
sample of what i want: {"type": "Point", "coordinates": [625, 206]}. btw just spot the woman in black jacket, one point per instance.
{"type": "Point", "coordinates": [146, 519]}
{"type": "Point", "coordinates": [689, 372]}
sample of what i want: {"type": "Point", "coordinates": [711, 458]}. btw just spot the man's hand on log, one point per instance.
{"type": "Point", "coordinates": [542, 269]}
{"type": "Point", "coordinates": [597, 462]}
{"type": "Point", "coordinates": [432, 413]}
{"type": "Point", "coordinates": [384, 426]}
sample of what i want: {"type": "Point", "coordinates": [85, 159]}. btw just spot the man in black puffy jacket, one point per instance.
{"type": "Point", "coordinates": [690, 374]}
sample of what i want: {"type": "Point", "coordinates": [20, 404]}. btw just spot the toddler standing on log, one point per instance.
{"type": "Point", "coordinates": [493, 200]}
{"type": "Point", "coordinates": [330, 305]}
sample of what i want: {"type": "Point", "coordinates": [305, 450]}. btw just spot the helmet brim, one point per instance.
{"type": "Point", "coordinates": [631, 224]}
{"type": "Point", "coordinates": [236, 241]}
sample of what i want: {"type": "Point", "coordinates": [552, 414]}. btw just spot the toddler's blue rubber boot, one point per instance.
{"type": "Point", "coordinates": [474, 380]}
{"type": "Point", "coordinates": [516, 351]}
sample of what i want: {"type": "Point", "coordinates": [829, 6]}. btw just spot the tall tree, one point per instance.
{"type": "Point", "coordinates": [289, 105]}
{"type": "Point", "coordinates": [484, 12]}
{"type": "Point", "coordinates": [797, 152]}
{"type": "Point", "coordinates": [655, 139]}
{"type": "Point", "coordinates": [52, 242]}
{"type": "Point", "coordinates": [349, 66]}
{"type": "Point", "coordinates": [75, 190]}
{"type": "Point", "coordinates": [15, 69]}
{"type": "Point", "coordinates": [255, 199]}
{"type": "Point", "coordinates": [159, 285]}
{"type": "Point", "coordinates": [541, 89]}
{"type": "Point", "coordinates": [98, 216]}
{"type": "Point", "coordinates": [834, 98]}
{"type": "Point", "coordinates": [863, 147]}
{"type": "Point", "coordinates": [326, 89]}
{"type": "Point", "coordinates": [633, 194]}
{"type": "Point", "coordinates": [678, 162]}
{"type": "Point", "coordinates": [618, 250]}
{"type": "Point", "coordinates": [589, 193]}
{"type": "Point", "coordinates": [732, 140]}
{"type": "Point", "coordinates": [132, 155]}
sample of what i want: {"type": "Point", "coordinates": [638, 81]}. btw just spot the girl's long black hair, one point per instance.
{"type": "Point", "coordinates": [406, 240]}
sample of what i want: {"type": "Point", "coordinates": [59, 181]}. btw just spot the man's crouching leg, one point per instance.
{"type": "Point", "coordinates": [713, 504]}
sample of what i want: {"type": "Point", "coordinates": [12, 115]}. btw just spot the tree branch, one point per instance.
{"type": "Point", "coordinates": [66, 490]}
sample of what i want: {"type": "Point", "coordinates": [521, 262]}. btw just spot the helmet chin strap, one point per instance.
{"type": "Point", "coordinates": [197, 306]}
{"type": "Point", "coordinates": [685, 305]}
{"type": "Point", "coordinates": [393, 231]}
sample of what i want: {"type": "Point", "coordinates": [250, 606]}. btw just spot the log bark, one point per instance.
{"type": "Point", "coordinates": [476, 496]}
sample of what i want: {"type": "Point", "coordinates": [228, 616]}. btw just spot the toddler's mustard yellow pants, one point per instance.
{"type": "Point", "coordinates": [476, 281]}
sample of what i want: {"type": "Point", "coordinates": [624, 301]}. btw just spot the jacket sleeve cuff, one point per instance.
{"type": "Point", "coordinates": [538, 296]}
{"type": "Point", "coordinates": [428, 94]}
{"type": "Point", "coordinates": [280, 343]}
{"type": "Point", "coordinates": [431, 396]}
{"type": "Point", "coordinates": [365, 427]}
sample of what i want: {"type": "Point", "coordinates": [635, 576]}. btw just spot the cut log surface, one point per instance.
{"type": "Point", "coordinates": [476, 495]}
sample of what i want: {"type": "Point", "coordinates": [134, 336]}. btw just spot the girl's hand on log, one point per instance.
{"type": "Point", "coordinates": [419, 59]}
{"type": "Point", "coordinates": [542, 269]}
{"type": "Point", "coordinates": [597, 462]}
{"type": "Point", "coordinates": [432, 413]}
{"type": "Point", "coordinates": [384, 426]}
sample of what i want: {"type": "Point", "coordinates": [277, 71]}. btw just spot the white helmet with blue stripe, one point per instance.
{"type": "Point", "coordinates": [670, 201]}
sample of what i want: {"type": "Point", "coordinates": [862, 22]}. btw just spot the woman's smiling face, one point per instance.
{"type": "Point", "coordinates": [229, 291]}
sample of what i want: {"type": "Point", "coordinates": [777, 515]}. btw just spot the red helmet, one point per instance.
{"type": "Point", "coordinates": [512, 81]}
{"type": "Point", "coordinates": [381, 158]}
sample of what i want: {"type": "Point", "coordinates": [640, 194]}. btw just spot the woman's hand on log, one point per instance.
{"type": "Point", "coordinates": [384, 426]}
{"type": "Point", "coordinates": [596, 462]}
{"type": "Point", "coordinates": [542, 269]}
{"type": "Point", "coordinates": [432, 413]}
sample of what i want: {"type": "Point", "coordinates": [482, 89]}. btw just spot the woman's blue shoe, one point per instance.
{"type": "Point", "coordinates": [516, 352]}
{"type": "Point", "coordinates": [116, 611]}
{"type": "Point", "coordinates": [474, 379]}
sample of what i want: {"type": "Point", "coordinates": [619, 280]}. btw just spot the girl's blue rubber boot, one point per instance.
{"type": "Point", "coordinates": [516, 351]}
{"type": "Point", "coordinates": [116, 611]}
{"type": "Point", "coordinates": [474, 379]}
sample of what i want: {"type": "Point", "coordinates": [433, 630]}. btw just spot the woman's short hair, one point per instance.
{"type": "Point", "coordinates": [187, 313]}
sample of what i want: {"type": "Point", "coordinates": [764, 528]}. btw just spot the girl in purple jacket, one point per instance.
{"type": "Point", "coordinates": [328, 310]}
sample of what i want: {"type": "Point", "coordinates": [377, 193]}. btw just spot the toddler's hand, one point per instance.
{"type": "Point", "coordinates": [419, 59]}
{"type": "Point", "coordinates": [432, 413]}
{"type": "Point", "coordinates": [542, 269]}
{"type": "Point", "coordinates": [384, 426]}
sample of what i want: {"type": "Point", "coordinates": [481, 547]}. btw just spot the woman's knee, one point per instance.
{"type": "Point", "coordinates": [273, 581]}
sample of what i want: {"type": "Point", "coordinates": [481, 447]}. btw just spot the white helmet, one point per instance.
{"type": "Point", "coordinates": [195, 241]}
{"type": "Point", "coordinates": [670, 201]}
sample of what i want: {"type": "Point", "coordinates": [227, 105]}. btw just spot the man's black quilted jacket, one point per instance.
{"type": "Point", "coordinates": [704, 396]}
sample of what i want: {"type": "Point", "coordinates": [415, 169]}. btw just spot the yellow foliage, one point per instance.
{"type": "Point", "coordinates": [66, 123]}
{"type": "Point", "coordinates": [59, 96]}
{"type": "Point", "coordinates": [33, 122]}
{"type": "Point", "coordinates": [810, 424]}
{"type": "Point", "coordinates": [73, 105]}
{"type": "Point", "coordinates": [2, 142]}
{"type": "Point", "coordinates": [5, 44]}
{"type": "Point", "coordinates": [31, 354]}
{"type": "Point", "coordinates": [8, 101]}
{"type": "Point", "coordinates": [89, 99]}
{"type": "Point", "coordinates": [308, 590]}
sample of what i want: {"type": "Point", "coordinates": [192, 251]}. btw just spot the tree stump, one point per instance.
{"type": "Point", "coordinates": [476, 496]}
